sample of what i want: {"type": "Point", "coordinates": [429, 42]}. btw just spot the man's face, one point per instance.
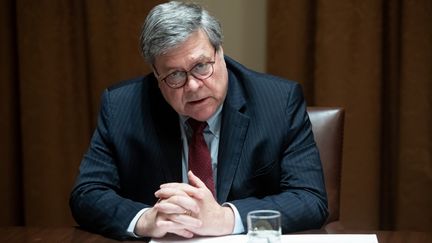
{"type": "Point", "coordinates": [198, 99]}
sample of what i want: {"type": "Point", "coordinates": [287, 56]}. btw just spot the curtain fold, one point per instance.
{"type": "Point", "coordinates": [374, 58]}
{"type": "Point", "coordinates": [10, 158]}
{"type": "Point", "coordinates": [390, 116]}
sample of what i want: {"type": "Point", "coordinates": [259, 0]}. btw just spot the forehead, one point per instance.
{"type": "Point", "coordinates": [196, 48]}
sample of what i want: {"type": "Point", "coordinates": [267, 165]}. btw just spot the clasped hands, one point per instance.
{"type": "Point", "coordinates": [185, 210]}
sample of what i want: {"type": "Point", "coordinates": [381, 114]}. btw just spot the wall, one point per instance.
{"type": "Point", "coordinates": [244, 28]}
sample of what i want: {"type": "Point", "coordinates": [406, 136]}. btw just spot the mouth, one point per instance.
{"type": "Point", "coordinates": [197, 102]}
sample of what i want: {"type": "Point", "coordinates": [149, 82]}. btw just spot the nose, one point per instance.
{"type": "Point", "coordinates": [192, 83]}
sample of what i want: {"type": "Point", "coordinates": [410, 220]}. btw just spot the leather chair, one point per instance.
{"type": "Point", "coordinates": [328, 126]}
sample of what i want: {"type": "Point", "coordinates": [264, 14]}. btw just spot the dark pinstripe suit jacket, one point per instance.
{"type": "Point", "coordinates": [267, 155]}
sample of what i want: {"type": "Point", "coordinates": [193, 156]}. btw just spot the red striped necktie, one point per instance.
{"type": "Point", "coordinates": [199, 155]}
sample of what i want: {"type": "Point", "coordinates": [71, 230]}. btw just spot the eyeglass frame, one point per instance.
{"type": "Point", "coordinates": [188, 72]}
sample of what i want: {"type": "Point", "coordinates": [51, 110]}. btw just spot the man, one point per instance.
{"type": "Point", "coordinates": [139, 177]}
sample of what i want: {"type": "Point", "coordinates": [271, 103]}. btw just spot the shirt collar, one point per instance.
{"type": "Point", "coordinates": [214, 122]}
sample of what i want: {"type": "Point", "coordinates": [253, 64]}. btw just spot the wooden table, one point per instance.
{"type": "Point", "coordinates": [76, 235]}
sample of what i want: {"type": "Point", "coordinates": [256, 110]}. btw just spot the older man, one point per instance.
{"type": "Point", "coordinates": [193, 147]}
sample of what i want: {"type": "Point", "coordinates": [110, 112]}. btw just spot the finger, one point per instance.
{"type": "Point", "coordinates": [195, 181]}
{"type": "Point", "coordinates": [170, 208]}
{"type": "Point", "coordinates": [178, 204]}
{"type": "Point", "coordinates": [184, 190]}
{"type": "Point", "coordinates": [177, 227]}
{"type": "Point", "coordinates": [198, 183]}
{"type": "Point", "coordinates": [172, 184]}
{"type": "Point", "coordinates": [182, 232]}
{"type": "Point", "coordinates": [185, 220]}
{"type": "Point", "coordinates": [166, 192]}
{"type": "Point", "coordinates": [180, 186]}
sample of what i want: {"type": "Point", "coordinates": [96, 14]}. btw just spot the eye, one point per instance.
{"type": "Point", "coordinates": [201, 68]}
{"type": "Point", "coordinates": [175, 75]}
{"type": "Point", "coordinates": [176, 79]}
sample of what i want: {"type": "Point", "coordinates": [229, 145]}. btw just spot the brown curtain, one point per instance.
{"type": "Point", "coordinates": [56, 57]}
{"type": "Point", "coordinates": [374, 58]}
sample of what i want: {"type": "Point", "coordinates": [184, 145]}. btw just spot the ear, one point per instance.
{"type": "Point", "coordinates": [154, 70]}
{"type": "Point", "coordinates": [220, 51]}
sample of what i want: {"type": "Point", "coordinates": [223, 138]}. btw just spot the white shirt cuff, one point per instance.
{"type": "Point", "coordinates": [132, 224]}
{"type": "Point", "coordinates": [238, 224]}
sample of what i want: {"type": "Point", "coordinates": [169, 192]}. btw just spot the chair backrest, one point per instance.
{"type": "Point", "coordinates": [328, 126]}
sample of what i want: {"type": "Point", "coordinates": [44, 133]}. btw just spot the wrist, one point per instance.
{"type": "Point", "coordinates": [145, 223]}
{"type": "Point", "coordinates": [229, 220]}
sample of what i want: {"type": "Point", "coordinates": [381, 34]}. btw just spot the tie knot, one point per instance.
{"type": "Point", "coordinates": [197, 126]}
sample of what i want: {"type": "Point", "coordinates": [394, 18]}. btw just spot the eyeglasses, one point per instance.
{"type": "Point", "coordinates": [178, 79]}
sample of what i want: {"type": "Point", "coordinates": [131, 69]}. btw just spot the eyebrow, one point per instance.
{"type": "Point", "coordinates": [200, 59]}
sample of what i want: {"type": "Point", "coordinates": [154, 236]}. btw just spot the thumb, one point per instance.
{"type": "Point", "coordinates": [195, 180]}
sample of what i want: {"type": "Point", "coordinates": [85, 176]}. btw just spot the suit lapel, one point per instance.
{"type": "Point", "coordinates": [233, 132]}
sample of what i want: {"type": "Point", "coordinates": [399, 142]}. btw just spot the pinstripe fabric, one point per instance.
{"type": "Point", "coordinates": [267, 155]}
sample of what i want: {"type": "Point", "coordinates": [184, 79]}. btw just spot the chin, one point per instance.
{"type": "Point", "coordinates": [202, 115]}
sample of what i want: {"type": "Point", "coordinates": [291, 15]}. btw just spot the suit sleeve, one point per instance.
{"type": "Point", "coordinates": [95, 202]}
{"type": "Point", "coordinates": [302, 198]}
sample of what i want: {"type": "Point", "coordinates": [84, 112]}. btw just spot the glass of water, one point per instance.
{"type": "Point", "coordinates": [264, 226]}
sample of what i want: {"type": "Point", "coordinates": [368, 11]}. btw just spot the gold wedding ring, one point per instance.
{"type": "Point", "coordinates": [188, 212]}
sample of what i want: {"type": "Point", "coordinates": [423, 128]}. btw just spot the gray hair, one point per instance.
{"type": "Point", "coordinates": [170, 24]}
